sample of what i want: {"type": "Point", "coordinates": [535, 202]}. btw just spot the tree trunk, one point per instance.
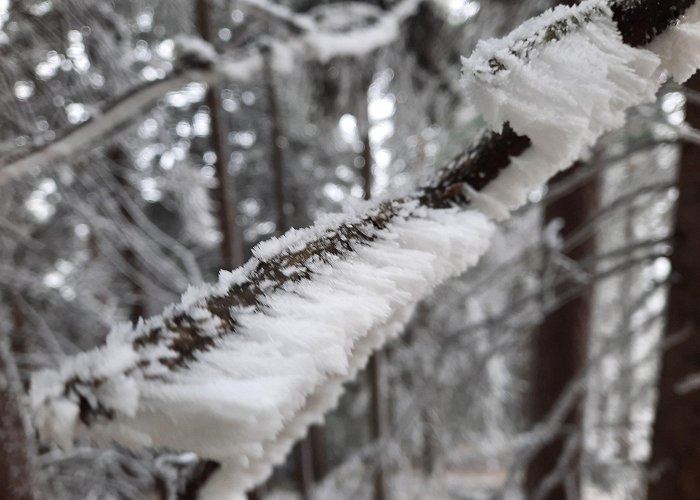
{"type": "Point", "coordinates": [120, 164]}
{"type": "Point", "coordinates": [374, 366]}
{"type": "Point", "coordinates": [16, 465]}
{"type": "Point", "coordinates": [304, 468]}
{"type": "Point", "coordinates": [675, 455]}
{"type": "Point", "coordinates": [231, 245]}
{"type": "Point", "coordinates": [276, 139]}
{"type": "Point", "coordinates": [559, 350]}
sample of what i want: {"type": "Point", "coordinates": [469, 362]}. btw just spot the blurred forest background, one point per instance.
{"type": "Point", "coordinates": [134, 161]}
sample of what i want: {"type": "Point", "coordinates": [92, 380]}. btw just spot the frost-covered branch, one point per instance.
{"type": "Point", "coordinates": [239, 369]}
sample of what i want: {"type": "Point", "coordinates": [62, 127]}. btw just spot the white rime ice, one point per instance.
{"type": "Point", "coordinates": [254, 391]}
{"type": "Point", "coordinates": [245, 402]}
{"type": "Point", "coordinates": [563, 79]}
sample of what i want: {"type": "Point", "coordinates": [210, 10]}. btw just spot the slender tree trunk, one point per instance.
{"type": "Point", "coordinates": [304, 468]}
{"type": "Point", "coordinates": [559, 349]}
{"type": "Point", "coordinates": [675, 455]}
{"type": "Point", "coordinates": [560, 346]}
{"type": "Point", "coordinates": [310, 454]}
{"type": "Point", "coordinates": [121, 162]}
{"type": "Point", "coordinates": [276, 140]}
{"type": "Point", "coordinates": [429, 441]}
{"type": "Point", "coordinates": [16, 464]}
{"type": "Point", "coordinates": [231, 244]}
{"type": "Point", "coordinates": [374, 366]}
{"type": "Point", "coordinates": [317, 437]}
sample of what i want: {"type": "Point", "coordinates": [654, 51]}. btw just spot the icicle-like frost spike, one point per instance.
{"type": "Point", "coordinates": [534, 80]}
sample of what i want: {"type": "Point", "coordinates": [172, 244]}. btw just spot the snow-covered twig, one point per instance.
{"type": "Point", "coordinates": [239, 369]}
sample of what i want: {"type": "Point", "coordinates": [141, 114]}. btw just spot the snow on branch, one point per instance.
{"type": "Point", "coordinates": [239, 369]}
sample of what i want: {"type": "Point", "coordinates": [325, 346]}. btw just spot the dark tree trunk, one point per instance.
{"type": "Point", "coordinates": [374, 366]}
{"type": "Point", "coordinates": [304, 468]}
{"type": "Point", "coordinates": [276, 139]}
{"type": "Point", "coordinates": [376, 420]}
{"type": "Point", "coordinates": [675, 455]}
{"type": "Point", "coordinates": [559, 348]}
{"type": "Point", "coordinates": [121, 163]}
{"type": "Point", "coordinates": [317, 436]}
{"type": "Point", "coordinates": [231, 244]}
{"type": "Point", "coordinates": [16, 465]}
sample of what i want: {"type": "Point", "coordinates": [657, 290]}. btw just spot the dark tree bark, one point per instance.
{"type": "Point", "coordinates": [376, 420]}
{"type": "Point", "coordinates": [276, 139]}
{"type": "Point", "coordinates": [16, 465]}
{"type": "Point", "coordinates": [374, 365]}
{"type": "Point", "coordinates": [559, 348]}
{"type": "Point", "coordinates": [675, 456]}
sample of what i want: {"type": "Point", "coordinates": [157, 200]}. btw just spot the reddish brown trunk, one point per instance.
{"type": "Point", "coordinates": [675, 456]}
{"type": "Point", "coordinates": [376, 421]}
{"type": "Point", "coordinates": [231, 244]}
{"type": "Point", "coordinates": [137, 306]}
{"type": "Point", "coordinates": [317, 436]}
{"type": "Point", "coordinates": [16, 467]}
{"type": "Point", "coordinates": [559, 348]}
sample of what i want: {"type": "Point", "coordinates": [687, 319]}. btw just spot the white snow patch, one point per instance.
{"type": "Point", "coordinates": [194, 48]}
{"type": "Point", "coordinates": [354, 29]}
